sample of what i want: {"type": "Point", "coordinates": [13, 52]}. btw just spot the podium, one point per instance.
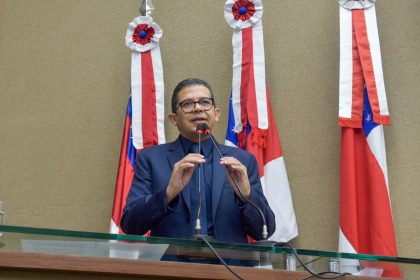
{"type": "Point", "coordinates": [39, 253]}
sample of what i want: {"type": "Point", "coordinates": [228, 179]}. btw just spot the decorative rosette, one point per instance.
{"type": "Point", "coordinates": [356, 4]}
{"type": "Point", "coordinates": [240, 14]}
{"type": "Point", "coordinates": [142, 34]}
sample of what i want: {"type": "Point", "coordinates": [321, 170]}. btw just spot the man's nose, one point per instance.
{"type": "Point", "coordinates": [197, 107]}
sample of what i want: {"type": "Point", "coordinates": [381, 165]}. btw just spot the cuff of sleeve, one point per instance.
{"type": "Point", "coordinates": [241, 205]}
{"type": "Point", "coordinates": [170, 207]}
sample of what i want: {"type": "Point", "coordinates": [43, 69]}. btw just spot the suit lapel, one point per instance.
{"type": "Point", "coordinates": [219, 177]}
{"type": "Point", "coordinates": [176, 153]}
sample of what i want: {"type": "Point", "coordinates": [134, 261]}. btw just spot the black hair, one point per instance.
{"type": "Point", "coordinates": [186, 83]}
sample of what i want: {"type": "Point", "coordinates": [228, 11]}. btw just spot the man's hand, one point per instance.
{"type": "Point", "coordinates": [181, 174]}
{"type": "Point", "coordinates": [240, 173]}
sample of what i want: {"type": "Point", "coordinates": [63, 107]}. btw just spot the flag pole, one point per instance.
{"type": "Point", "coordinates": [142, 38]}
{"type": "Point", "coordinates": [146, 8]}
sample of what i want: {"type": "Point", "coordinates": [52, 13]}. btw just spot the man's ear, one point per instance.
{"type": "Point", "coordinates": [216, 114]}
{"type": "Point", "coordinates": [172, 118]}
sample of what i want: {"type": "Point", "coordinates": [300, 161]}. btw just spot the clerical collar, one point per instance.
{"type": "Point", "coordinates": [206, 145]}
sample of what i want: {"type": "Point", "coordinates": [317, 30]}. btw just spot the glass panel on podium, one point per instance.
{"type": "Point", "coordinates": [280, 256]}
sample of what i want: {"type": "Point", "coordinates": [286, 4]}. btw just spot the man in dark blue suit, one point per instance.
{"type": "Point", "coordinates": [163, 198]}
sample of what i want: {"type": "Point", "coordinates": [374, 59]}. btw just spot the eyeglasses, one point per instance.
{"type": "Point", "coordinates": [188, 105]}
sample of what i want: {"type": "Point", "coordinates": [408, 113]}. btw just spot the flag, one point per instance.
{"type": "Point", "coordinates": [366, 225]}
{"type": "Point", "coordinates": [273, 175]}
{"type": "Point", "coordinates": [251, 123]}
{"type": "Point", "coordinates": [125, 172]}
{"type": "Point", "coordinates": [144, 123]}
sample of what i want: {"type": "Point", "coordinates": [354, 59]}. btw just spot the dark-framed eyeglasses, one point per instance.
{"type": "Point", "coordinates": [188, 105]}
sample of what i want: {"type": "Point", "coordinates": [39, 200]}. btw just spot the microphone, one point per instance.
{"type": "Point", "coordinates": [264, 242]}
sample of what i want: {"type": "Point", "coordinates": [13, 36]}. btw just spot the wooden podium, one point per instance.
{"type": "Point", "coordinates": [18, 265]}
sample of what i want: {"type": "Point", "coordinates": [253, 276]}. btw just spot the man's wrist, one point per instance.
{"type": "Point", "coordinates": [246, 193]}
{"type": "Point", "coordinates": [170, 195]}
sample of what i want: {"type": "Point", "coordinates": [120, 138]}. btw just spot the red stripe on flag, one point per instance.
{"type": "Point", "coordinates": [127, 178]}
{"type": "Point", "coordinates": [365, 211]}
{"type": "Point", "coordinates": [247, 75]}
{"type": "Point", "coordinates": [363, 45]}
{"type": "Point", "coordinates": [149, 123]}
{"type": "Point", "coordinates": [124, 176]}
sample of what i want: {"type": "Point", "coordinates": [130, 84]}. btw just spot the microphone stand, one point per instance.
{"type": "Point", "coordinates": [264, 241]}
{"type": "Point", "coordinates": [198, 221]}
{"type": "Point", "coordinates": [198, 235]}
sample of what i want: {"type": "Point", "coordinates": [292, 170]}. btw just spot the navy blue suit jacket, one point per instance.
{"type": "Point", "coordinates": [147, 209]}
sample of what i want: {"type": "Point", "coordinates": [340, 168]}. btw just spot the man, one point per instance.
{"type": "Point", "coordinates": [164, 198]}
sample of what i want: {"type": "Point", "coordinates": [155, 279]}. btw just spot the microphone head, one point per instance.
{"type": "Point", "coordinates": [202, 128]}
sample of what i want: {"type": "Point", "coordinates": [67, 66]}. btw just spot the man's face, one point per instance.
{"type": "Point", "coordinates": [187, 122]}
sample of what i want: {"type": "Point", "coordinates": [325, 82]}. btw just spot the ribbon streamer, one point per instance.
{"type": "Point", "coordinates": [248, 84]}
{"type": "Point", "coordinates": [147, 88]}
{"type": "Point", "coordinates": [360, 66]}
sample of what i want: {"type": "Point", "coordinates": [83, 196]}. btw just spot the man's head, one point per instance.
{"type": "Point", "coordinates": [192, 104]}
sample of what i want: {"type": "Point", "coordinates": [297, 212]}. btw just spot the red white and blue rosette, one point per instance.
{"type": "Point", "coordinates": [249, 94]}
{"type": "Point", "coordinates": [147, 88]}
{"type": "Point", "coordinates": [241, 14]}
{"type": "Point", "coordinates": [356, 4]}
{"type": "Point", "coordinates": [360, 64]}
{"type": "Point", "coordinates": [143, 34]}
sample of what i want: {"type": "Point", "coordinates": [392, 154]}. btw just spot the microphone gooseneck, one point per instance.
{"type": "Point", "coordinates": [200, 131]}
{"type": "Point", "coordinates": [206, 130]}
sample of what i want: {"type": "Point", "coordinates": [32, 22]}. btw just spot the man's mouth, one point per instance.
{"type": "Point", "coordinates": [198, 120]}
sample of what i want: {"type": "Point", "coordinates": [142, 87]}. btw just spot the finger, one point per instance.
{"type": "Point", "coordinates": [230, 161]}
{"type": "Point", "coordinates": [194, 155]}
{"type": "Point", "coordinates": [235, 166]}
{"type": "Point", "coordinates": [195, 158]}
{"type": "Point", "coordinates": [187, 165]}
{"type": "Point", "coordinates": [239, 168]}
